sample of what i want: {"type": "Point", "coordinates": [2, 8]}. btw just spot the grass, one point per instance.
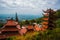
{"type": "Point", "coordinates": [47, 35]}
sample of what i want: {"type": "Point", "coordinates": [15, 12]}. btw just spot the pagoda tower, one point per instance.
{"type": "Point", "coordinates": [49, 18]}
{"type": "Point", "coordinates": [11, 28]}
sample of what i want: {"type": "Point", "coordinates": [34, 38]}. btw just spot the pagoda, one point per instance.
{"type": "Point", "coordinates": [11, 28]}
{"type": "Point", "coordinates": [49, 18]}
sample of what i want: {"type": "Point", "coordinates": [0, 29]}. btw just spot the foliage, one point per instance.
{"type": "Point", "coordinates": [42, 35]}
{"type": "Point", "coordinates": [1, 23]}
{"type": "Point", "coordinates": [58, 23]}
{"type": "Point", "coordinates": [58, 13]}
{"type": "Point", "coordinates": [27, 22]}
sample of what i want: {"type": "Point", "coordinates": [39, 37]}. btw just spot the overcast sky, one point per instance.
{"type": "Point", "coordinates": [33, 7]}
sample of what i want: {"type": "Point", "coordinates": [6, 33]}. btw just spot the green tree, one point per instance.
{"type": "Point", "coordinates": [1, 23]}
{"type": "Point", "coordinates": [58, 13]}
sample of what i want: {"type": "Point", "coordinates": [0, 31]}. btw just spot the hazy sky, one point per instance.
{"type": "Point", "coordinates": [27, 6]}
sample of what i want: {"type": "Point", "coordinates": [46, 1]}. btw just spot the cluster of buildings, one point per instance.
{"type": "Point", "coordinates": [12, 27]}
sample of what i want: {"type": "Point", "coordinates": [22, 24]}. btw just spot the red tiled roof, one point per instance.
{"type": "Point", "coordinates": [37, 28]}
{"type": "Point", "coordinates": [45, 18]}
{"type": "Point", "coordinates": [44, 22]}
{"type": "Point", "coordinates": [30, 27]}
{"type": "Point", "coordinates": [23, 31]}
{"type": "Point", "coordinates": [11, 23]}
{"type": "Point", "coordinates": [11, 29]}
{"type": "Point", "coordinates": [45, 26]}
{"type": "Point", "coordinates": [42, 29]}
{"type": "Point", "coordinates": [18, 27]}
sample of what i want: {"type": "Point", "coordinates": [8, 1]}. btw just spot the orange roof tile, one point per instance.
{"type": "Point", "coordinates": [23, 31]}
{"type": "Point", "coordinates": [45, 26]}
{"type": "Point", "coordinates": [18, 26]}
{"type": "Point", "coordinates": [11, 29]}
{"type": "Point", "coordinates": [42, 29]}
{"type": "Point", "coordinates": [44, 22]}
{"type": "Point", "coordinates": [11, 23]}
{"type": "Point", "coordinates": [45, 18]}
{"type": "Point", "coordinates": [30, 27]}
{"type": "Point", "coordinates": [37, 28]}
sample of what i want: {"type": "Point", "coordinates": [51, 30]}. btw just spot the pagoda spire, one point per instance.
{"type": "Point", "coordinates": [16, 17]}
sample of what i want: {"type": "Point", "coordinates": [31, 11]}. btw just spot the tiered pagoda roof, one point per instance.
{"type": "Point", "coordinates": [29, 27]}
{"type": "Point", "coordinates": [49, 17]}
{"type": "Point", "coordinates": [10, 28]}
{"type": "Point", "coordinates": [11, 24]}
{"type": "Point", "coordinates": [45, 18]}
{"type": "Point", "coordinates": [37, 28]}
{"type": "Point", "coordinates": [45, 23]}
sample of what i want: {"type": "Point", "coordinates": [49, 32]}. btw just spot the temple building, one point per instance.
{"type": "Point", "coordinates": [37, 28]}
{"type": "Point", "coordinates": [30, 28]}
{"type": "Point", "coordinates": [48, 20]}
{"type": "Point", "coordinates": [23, 30]}
{"type": "Point", "coordinates": [11, 28]}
